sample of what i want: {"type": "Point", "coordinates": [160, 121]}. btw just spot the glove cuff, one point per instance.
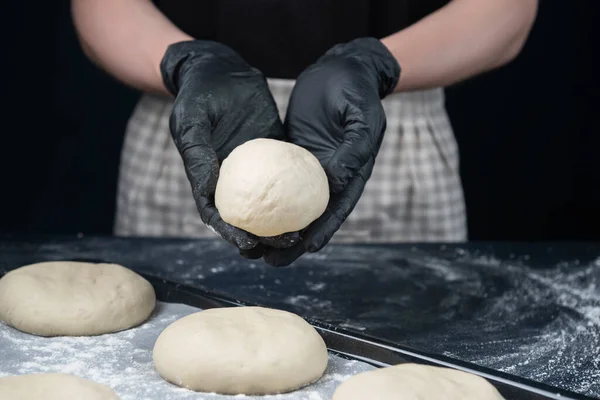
{"type": "Point", "coordinates": [375, 54]}
{"type": "Point", "coordinates": [180, 57]}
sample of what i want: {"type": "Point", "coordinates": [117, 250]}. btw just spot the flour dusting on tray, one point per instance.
{"type": "Point", "coordinates": [123, 361]}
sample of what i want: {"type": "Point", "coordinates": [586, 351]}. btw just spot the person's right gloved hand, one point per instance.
{"type": "Point", "coordinates": [220, 103]}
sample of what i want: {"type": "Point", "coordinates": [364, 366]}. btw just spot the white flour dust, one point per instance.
{"type": "Point", "coordinates": [556, 313]}
{"type": "Point", "coordinates": [123, 361]}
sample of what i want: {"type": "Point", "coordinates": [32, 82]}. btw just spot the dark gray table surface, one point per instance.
{"type": "Point", "coordinates": [530, 310]}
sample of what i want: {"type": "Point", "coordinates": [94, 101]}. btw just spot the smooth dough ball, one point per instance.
{"type": "Point", "coordinates": [416, 382]}
{"type": "Point", "coordinates": [65, 298]}
{"type": "Point", "coordinates": [54, 386]}
{"type": "Point", "coordinates": [240, 350]}
{"type": "Point", "coordinates": [268, 187]}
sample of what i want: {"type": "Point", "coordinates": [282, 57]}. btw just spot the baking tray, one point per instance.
{"type": "Point", "coordinates": [372, 350]}
{"type": "Point", "coordinates": [361, 347]}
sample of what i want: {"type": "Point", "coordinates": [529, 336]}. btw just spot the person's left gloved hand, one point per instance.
{"type": "Point", "coordinates": [335, 112]}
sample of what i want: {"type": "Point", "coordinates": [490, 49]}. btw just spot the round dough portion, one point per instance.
{"type": "Point", "coordinates": [66, 298]}
{"type": "Point", "coordinates": [268, 187]}
{"type": "Point", "coordinates": [53, 386]}
{"type": "Point", "coordinates": [416, 382]}
{"type": "Point", "coordinates": [240, 350]}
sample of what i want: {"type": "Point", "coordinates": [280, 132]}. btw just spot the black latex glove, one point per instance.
{"type": "Point", "coordinates": [335, 112]}
{"type": "Point", "coordinates": [220, 103]}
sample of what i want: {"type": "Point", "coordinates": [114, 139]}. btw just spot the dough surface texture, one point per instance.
{"type": "Point", "coordinates": [416, 382]}
{"type": "Point", "coordinates": [53, 386]}
{"type": "Point", "coordinates": [240, 350]}
{"type": "Point", "coordinates": [66, 298]}
{"type": "Point", "coordinates": [268, 187]}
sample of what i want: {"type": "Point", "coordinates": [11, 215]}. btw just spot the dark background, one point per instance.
{"type": "Point", "coordinates": [528, 134]}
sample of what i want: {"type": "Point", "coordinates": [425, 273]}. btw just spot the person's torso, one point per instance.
{"type": "Point", "coordinates": [282, 37]}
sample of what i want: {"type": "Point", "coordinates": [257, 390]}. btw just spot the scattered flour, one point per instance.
{"type": "Point", "coordinates": [123, 361]}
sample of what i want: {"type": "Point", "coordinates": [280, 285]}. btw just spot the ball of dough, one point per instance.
{"type": "Point", "coordinates": [240, 350]}
{"type": "Point", "coordinates": [53, 386]}
{"type": "Point", "coordinates": [268, 187]}
{"type": "Point", "coordinates": [64, 298]}
{"type": "Point", "coordinates": [416, 382]}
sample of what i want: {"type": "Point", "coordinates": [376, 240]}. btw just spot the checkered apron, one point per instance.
{"type": "Point", "coordinates": [414, 193]}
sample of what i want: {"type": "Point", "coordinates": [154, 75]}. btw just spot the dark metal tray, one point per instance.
{"type": "Point", "coordinates": [372, 350]}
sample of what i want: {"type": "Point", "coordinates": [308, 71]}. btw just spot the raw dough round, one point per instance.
{"type": "Point", "coordinates": [240, 350]}
{"type": "Point", "coordinates": [74, 298]}
{"type": "Point", "coordinates": [416, 382]}
{"type": "Point", "coordinates": [54, 386]}
{"type": "Point", "coordinates": [268, 187]}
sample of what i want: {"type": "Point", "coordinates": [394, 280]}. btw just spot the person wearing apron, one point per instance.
{"type": "Point", "coordinates": [358, 83]}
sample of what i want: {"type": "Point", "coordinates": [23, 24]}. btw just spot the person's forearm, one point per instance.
{"type": "Point", "coordinates": [127, 38]}
{"type": "Point", "coordinates": [461, 40]}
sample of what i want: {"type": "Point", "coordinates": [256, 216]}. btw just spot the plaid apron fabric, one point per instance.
{"type": "Point", "coordinates": [414, 193]}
